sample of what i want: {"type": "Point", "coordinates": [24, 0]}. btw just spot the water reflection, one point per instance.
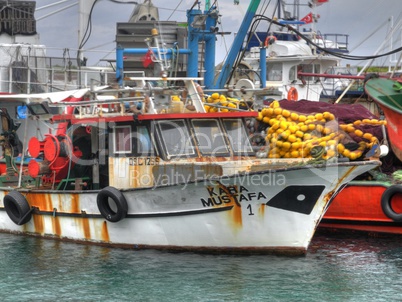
{"type": "Point", "coordinates": [336, 268]}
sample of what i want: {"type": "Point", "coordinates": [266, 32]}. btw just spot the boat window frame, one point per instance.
{"type": "Point", "coordinates": [152, 151]}
{"type": "Point", "coordinates": [293, 73]}
{"type": "Point", "coordinates": [309, 68]}
{"type": "Point", "coordinates": [245, 134]}
{"type": "Point", "coordinates": [222, 133]}
{"type": "Point", "coordinates": [133, 139]}
{"type": "Point", "coordinates": [270, 76]}
{"type": "Point", "coordinates": [114, 136]}
{"type": "Point", "coordinates": [162, 141]}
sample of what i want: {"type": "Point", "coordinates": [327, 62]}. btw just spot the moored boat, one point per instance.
{"type": "Point", "coordinates": [374, 205]}
{"type": "Point", "coordinates": [387, 93]}
{"type": "Point", "coordinates": [369, 206]}
{"type": "Point", "coordinates": [160, 175]}
{"type": "Point", "coordinates": [154, 163]}
{"type": "Point", "coordinates": [283, 52]}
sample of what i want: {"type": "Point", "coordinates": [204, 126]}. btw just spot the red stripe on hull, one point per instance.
{"type": "Point", "coordinates": [394, 130]}
{"type": "Point", "coordinates": [358, 207]}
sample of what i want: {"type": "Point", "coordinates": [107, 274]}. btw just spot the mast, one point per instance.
{"type": "Point", "coordinates": [237, 44]}
{"type": "Point", "coordinates": [207, 5]}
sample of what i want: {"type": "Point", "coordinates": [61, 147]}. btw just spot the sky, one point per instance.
{"type": "Point", "coordinates": [365, 21]}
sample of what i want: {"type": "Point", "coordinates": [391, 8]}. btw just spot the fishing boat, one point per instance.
{"type": "Point", "coordinates": [366, 206]}
{"type": "Point", "coordinates": [287, 52]}
{"type": "Point", "coordinates": [148, 164]}
{"type": "Point", "coordinates": [387, 94]}
{"type": "Point", "coordinates": [374, 205]}
{"type": "Point", "coordinates": [158, 175]}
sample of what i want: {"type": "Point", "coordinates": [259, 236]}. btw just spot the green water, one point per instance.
{"type": "Point", "coordinates": [335, 269]}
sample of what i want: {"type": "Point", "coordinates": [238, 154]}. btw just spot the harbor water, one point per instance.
{"type": "Point", "coordinates": [336, 268]}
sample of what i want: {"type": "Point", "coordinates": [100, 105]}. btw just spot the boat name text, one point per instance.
{"type": "Point", "coordinates": [224, 195]}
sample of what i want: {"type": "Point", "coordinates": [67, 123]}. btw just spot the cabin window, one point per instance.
{"type": "Point", "coordinates": [309, 68]}
{"type": "Point", "coordinates": [122, 139]}
{"type": "Point", "coordinates": [274, 72]}
{"type": "Point", "coordinates": [238, 137]}
{"type": "Point", "coordinates": [142, 144]}
{"type": "Point", "coordinates": [176, 138]}
{"type": "Point", "coordinates": [210, 138]}
{"type": "Point", "coordinates": [292, 73]}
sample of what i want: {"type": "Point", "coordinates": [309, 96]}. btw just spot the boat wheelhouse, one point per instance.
{"type": "Point", "coordinates": [286, 56]}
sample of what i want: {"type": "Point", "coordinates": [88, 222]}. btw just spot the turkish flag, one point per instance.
{"type": "Point", "coordinates": [319, 2]}
{"type": "Point", "coordinates": [147, 59]}
{"type": "Point", "coordinates": [308, 18]}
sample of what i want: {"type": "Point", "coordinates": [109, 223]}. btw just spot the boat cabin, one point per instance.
{"type": "Point", "coordinates": [286, 56]}
{"type": "Point", "coordinates": [141, 139]}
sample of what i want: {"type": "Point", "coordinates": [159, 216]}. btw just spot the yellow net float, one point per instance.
{"type": "Point", "coordinates": [291, 134]}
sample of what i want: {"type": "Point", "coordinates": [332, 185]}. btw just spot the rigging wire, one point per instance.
{"type": "Point", "coordinates": [336, 54]}
{"type": "Point", "coordinates": [370, 35]}
{"type": "Point", "coordinates": [253, 28]}
{"type": "Point", "coordinates": [124, 2]}
{"type": "Point", "coordinates": [175, 9]}
{"type": "Point", "coordinates": [88, 29]}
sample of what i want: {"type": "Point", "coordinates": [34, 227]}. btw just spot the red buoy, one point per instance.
{"type": "Point", "coordinates": [35, 147]}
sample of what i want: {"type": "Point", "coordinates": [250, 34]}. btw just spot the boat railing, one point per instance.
{"type": "Point", "coordinates": [147, 96]}
{"type": "Point", "coordinates": [341, 40]}
{"type": "Point", "coordinates": [50, 74]}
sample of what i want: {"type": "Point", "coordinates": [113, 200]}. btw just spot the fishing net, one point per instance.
{"type": "Point", "coordinates": [319, 130]}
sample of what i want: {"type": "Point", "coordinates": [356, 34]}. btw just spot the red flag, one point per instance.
{"type": "Point", "coordinates": [319, 2]}
{"type": "Point", "coordinates": [308, 18]}
{"type": "Point", "coordinates": [147, 59]}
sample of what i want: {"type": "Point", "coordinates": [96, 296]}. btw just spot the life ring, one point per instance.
{"type": "Point", "coordinates": [386, 202]}
{"type": "Point", "coordinates": [269, 40]}
{"type": "Point", "coordinates": [293, 95]}
{"type": "Point", "coordinates": [112, 204]}
{"type": "Point", "coordinates": [17, 208]}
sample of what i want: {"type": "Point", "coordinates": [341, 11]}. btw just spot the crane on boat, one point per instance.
{"type": "Point", "coordinates": [237, 44]}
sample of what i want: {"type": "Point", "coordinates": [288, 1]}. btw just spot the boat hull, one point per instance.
{"type": "Point", "coordinates": [390, 101]}
{"type": "Point", "coordinates": [358, 208]}
{"type": "Point", "coordinates": [394, 130]}
{"type": "Point", "coordinates": [275, 211]}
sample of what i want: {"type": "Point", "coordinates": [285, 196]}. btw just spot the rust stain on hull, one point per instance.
{"type": "Point", "coordinates": [56, 226]}
{"type": "Point", "coordinates": [105, 232]}
{"type": "Point", "coordinates": [330, 196]}
{"type": "Point", "coordinates": [43, 203]}
{"type": "Point", "coordinates": [39, 224]}
{"type": "Point", "coordinates": [236, 214]}
{"type": "Point", "coordinates": [261, 210]}
{"type": "Point", "coordinates": [86, 228]}
{"type": "Point", "coordinates": [40, 200]}
{"type": "Point", "coordinates": [75, 203]}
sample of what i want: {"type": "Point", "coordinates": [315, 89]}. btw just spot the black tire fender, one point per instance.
{"type": "Point", "coordinates": [17, 208]}
{"type": "Point", "coordinates": [386, 202]}
{"type": "Point", "coordinates": [112, 204]}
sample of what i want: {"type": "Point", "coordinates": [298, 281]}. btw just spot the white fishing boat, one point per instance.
{"type": "Point", "coordinates": [286, 51]}
{"type": "Point", "coordinates": [148, 166]}
{"type": "Point", "coordinates": [147, 172]}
